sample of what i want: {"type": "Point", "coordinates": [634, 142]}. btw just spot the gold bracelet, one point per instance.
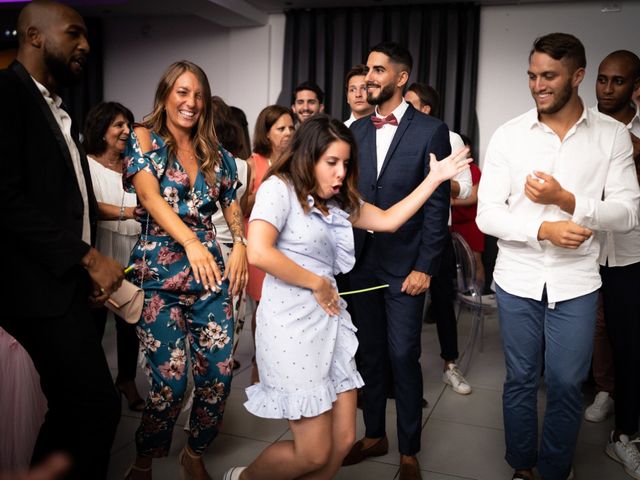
{"type": "Point", "coordinates": [191, 240]}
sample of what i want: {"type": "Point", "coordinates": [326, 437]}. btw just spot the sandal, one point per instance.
{"type": "Point", "coordinates": [185, 473]}
{"type": "Point", "coordinates": [134, 468]}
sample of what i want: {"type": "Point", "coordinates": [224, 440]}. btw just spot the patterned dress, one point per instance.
{"type": "Point", "coordinates": [305, 357]}
{"type": "Point", "coordinates": [180, 317]}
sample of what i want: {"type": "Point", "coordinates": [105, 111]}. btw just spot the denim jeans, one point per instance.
{"type": "Point", "coordinates": [564, 335]}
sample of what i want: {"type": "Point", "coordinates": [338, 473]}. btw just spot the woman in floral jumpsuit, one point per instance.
{"type": "Point", "coordinates": [176, 166]}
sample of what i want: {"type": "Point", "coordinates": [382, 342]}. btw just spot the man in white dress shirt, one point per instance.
{"type": "Point", "coordinates": [618, 76]}
{"type": "Point", "coordinates": [552, 177]}
{"type": "Point", "coordinates": [357, 94]}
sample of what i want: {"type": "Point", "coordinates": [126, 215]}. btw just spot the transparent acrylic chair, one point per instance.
{"type": "Point", "coordinates": [469, 296]}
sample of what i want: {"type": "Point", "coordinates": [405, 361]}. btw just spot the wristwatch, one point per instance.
{"type": "Point", "coordinates": [241, 240]}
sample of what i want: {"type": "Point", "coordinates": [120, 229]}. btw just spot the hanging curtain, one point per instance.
{"type": "Point", "coordinates": [323, 44]}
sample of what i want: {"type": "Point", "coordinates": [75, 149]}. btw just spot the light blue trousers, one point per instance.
{"type": "Point", "coordinates": [563, 336]}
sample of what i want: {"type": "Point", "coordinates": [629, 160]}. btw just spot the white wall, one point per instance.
{"type": "Point", "coordinates": [244, 65]}
{"type": "Point", "coordinates": [506, 35]}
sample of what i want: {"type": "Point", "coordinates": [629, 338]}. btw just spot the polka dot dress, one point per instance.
{"type": "Point", "coordinates": [305, 357]}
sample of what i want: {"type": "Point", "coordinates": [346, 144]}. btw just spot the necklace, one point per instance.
{"type": "Point", "coordinates": [110, 162]}
{"type": "Point", "coordinates": [190, 154]}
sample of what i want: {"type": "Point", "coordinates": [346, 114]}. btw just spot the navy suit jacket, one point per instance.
{"type": "Point", "coordinates": [42, 209]}
{"type": "Point", "coordinates": [417, 244]}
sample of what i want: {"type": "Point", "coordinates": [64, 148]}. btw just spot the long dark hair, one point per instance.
{"type": "Point", "coordinates": [228, 131]}
{"type": "Point", "coordinates": [98, 120]}
{"type": "Point", "coordinates": [297, 164]}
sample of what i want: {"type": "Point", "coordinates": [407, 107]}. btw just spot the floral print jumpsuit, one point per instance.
{"type": "Point", "coordinates": [180, 317]}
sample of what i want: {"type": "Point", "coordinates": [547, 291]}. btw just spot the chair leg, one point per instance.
{"type": "Point", "coordinates": [467, 354]}
{"type": "Point", "coordinates": [481, 348]}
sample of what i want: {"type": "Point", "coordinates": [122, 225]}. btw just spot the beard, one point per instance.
{"type": "Point", "coordinates": [612, 106]}
{"type": "Point", "coordinates": [562, 98]}
{"type": "Point", "coordinates": [385, 94]}
{"type": "Point", "coordinates": [59, 68]}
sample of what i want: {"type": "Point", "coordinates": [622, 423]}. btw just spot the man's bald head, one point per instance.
{"type": "Point", "coordinates": [618, 77]}
{"type": "Point", "coordinates": [624, 58]}
{"type": "Point", "coordinates": [42, 14]}
{"type": "Point", "coordinates": [52, 42]}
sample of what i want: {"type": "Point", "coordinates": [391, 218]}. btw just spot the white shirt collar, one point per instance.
{"type": "Point", "coordinates": [398, 112]}
{"type": "Point", "coordinates": [57, 101]}
{"type": "Point", "coordinates": [534, 121]}
{"type": "Point", "coordinates": [635, 120]}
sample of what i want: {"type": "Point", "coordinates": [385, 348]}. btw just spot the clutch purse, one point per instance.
{"type": "Point", "coordinates": [126, 302]}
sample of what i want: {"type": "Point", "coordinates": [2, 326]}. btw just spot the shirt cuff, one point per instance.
{"type": "Point", "coordinates": [531, 230]}
{"type": "Point", "coordinates": [581, 212]}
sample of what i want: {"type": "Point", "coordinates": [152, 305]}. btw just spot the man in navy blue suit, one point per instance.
{"type": "Point", "coordinates": [394, 146]}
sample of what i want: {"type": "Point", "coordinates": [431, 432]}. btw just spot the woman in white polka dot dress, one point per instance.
{"type": "Point", "coordinates": [301, 235]}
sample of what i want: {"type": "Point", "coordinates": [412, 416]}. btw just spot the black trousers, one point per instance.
{"type": "Point", "coordinates": [126, 342]}
{"type": "Point", "coordinates": [389, 325]}
{"type": "Point", "coordinates": [442, 299]}
{"type": "Point", "coordinates": [622, 316]}
{"type": "Point", "coordinates": [84, 408]}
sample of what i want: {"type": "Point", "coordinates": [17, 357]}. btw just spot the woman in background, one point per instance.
{"type": "Point", "coordinates": [106, 132]}
{"type": "Point", "coordinates": [239, 117]}
{"type": "Point", "coordinates": [273, 132]}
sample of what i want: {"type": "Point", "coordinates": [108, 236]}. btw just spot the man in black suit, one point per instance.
{"type": "Point", "coordinates": [49, 214]}
{"type": "Point", "coordinates": [394, 147]}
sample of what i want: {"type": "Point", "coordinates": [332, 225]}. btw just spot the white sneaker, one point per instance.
{"type": "Point", "coordinates": [233, 473]}
{"type": "Point", "coordinates": [600, 409]}
{"type": "Point", "coordinates": [453, 376]}
{"type": "Point", "coordinates": [627, 452]}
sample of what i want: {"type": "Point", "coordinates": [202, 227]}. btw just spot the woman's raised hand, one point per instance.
{"type": "Point", "coordinates": [327, 296]}
{"type": "Point", "coordinates": [450, 166]}
{"type": "Point", "coordinates": [203, 265]}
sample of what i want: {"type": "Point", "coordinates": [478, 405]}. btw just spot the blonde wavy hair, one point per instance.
{"type": "Point", "coordinates": [203, 136]}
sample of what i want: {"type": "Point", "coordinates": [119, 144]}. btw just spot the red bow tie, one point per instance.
{"type": "Point", "coordinates": [379, 122]}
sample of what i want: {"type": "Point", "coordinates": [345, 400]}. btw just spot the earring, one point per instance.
{"type": "Point", "coordinates": [104, 139]}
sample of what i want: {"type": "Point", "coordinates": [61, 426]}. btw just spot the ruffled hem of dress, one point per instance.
{"type": "Point", "coordinates": [267, 403]}
{"type": "Point", "coordinates": [342, 232]}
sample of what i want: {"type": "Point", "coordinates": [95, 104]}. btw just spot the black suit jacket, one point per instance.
{"type": "Point", "coordinates": [42, 209]}
{"type": "Point", "coordinates": [416, 245]}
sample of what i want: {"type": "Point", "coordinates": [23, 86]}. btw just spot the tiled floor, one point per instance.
{"type": "Point", "coordinates": [462, 436]}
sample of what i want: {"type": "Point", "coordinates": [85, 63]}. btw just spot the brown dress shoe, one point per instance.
{"type": "Point", "coordinates": [358, 453]}
{"type": "Point", "coordinates": [410, 471]}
